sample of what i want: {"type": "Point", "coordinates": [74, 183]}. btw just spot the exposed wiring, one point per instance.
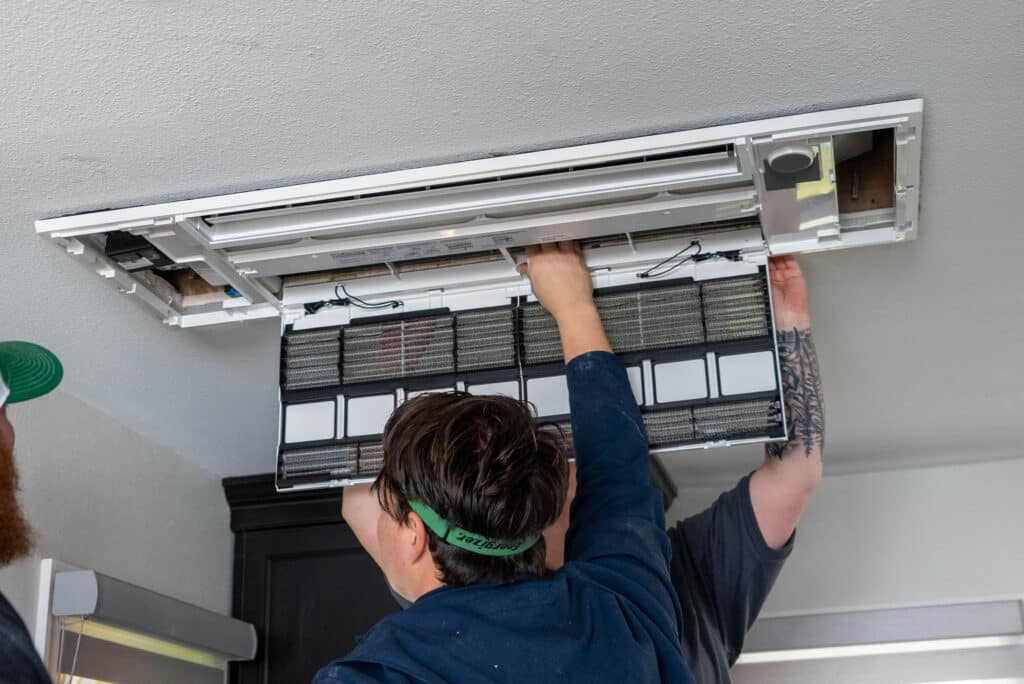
{"type": "Point", "coordinates": [312, 307]}
{"type": "Point", "coordinates": [728, 254]}
{"type": "Point", "coordinates": [363, 304]}
{"type": "Point", "coordinates": [653, 271]}
{"type": "Point", "coordinates": [346, 298]}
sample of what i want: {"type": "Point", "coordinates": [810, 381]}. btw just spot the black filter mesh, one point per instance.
{"type": "Point", "coordinates": [371, 458]}
{"type": "Point", "coordinates": [671, 316]}
{"type": "Point", "coordinates": [737, 419]}
{"type": "Point", "coordinates": [735, 308]}
{"type": "Point", "coordinates": [312, 336]}
{"type": "Point", "coordinates": [669, 426]}
{"type": "Point", "coordinates": [398, 349]}
{"type": "Point", "coordinates": [310, 358]}
{"type": "Point", "coordinates": [655, 318]}
{"type": "Point", "coordinates": [485, 339]}
{"type": "Point", "coordinates": [326, 462]}
{"type": "Point", "coordinates": [638, 320]}
{"type": "Point", "coordinates": [317, 376]}
{"type": "Point", "coordinates": [319, 360]}
{"type": "Point", "coordinates": [298, 351]}
{"type": "Point", "coordinates": [541, 343]}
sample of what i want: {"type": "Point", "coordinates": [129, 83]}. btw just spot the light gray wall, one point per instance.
{"type": "Point", "coordinates": [101, 497]}
{"type": "Point", "coordinates": [897, 538]}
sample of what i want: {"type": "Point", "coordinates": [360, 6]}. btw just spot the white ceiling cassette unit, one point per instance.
{"type": "Point", "coordinates": [392, 284]}
{"type": "Point", "coordinates": [825, 180]}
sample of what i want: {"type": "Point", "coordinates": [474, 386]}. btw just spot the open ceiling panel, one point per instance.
{"type": "Point", "coordinates": [818, 181]}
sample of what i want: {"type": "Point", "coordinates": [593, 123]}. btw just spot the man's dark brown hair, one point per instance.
{"type": "Point", "coordinates": [484, 464]}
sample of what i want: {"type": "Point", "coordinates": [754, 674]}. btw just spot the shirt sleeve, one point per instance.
{"type": "Point", "coordinates": [733, 562]}
{"type": "Point", "coordinates": [617, 519]}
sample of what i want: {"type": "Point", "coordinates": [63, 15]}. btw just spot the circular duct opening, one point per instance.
{"type": "Point", "coordinates": [791, 159]}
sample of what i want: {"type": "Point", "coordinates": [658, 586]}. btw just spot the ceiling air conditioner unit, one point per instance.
{"type": "Point", "coordinates": [396, 283]}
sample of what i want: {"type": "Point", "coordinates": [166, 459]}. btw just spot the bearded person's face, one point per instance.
{"type": "Point", "coordinates": [15, 535]}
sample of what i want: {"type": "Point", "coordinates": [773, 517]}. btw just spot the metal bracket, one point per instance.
{"type": "Point", "coordinates": [251, 290]}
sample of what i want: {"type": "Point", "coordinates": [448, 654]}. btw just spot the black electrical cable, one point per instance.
{"type": "Point", "coordinates": [363, 304]}
{"type": "Point", "coordinates": [650, 273]}
{"type": "Point", "coordinates": [349, 298]}
{"type": "Point", "coordinates": [312, 307]}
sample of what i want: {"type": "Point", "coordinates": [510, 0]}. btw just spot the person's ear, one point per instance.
{"type": "Point", "coordinates": [416, 537]}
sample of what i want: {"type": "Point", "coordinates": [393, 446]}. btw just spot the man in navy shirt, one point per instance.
{"type": "Point", "coordinates": [26, 372]}
{"type": "Point", "coordinates": [725, 559]}
{"type": "Point", "coordinates": [467, 488]}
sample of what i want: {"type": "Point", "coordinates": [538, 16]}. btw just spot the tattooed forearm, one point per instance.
{"type": "Point", "coordinates": [805, 413]}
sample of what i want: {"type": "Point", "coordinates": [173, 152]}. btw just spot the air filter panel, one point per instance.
{"type": "Point", "coordinates": [700, 357]}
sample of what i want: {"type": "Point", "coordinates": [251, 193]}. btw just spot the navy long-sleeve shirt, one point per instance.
{"type": "Point", "coordinates": [610, 613]}
{"type": "Point", "coordinates": [19, 662]}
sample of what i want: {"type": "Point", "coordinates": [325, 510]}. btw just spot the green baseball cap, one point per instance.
{"type": "Point", "coordinates": [27, 371]}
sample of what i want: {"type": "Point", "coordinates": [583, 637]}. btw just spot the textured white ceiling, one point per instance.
{"type": "Point", "coordinates": [113, 103]}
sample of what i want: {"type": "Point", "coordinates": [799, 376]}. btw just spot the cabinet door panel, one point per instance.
{"type": "Point", "coordinates": [309, 591]}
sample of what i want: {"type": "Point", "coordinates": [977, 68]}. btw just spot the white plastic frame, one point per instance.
{"type": "Point", "coordinates": [727, 189]}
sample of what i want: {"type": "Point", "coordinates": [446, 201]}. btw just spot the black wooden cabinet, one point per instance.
{"type": "Point", "coordinates": [301, 578]}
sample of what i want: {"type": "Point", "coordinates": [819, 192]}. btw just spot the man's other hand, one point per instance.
{"type": "Point", "coordinates": [782, 486]}
{"type": "Point", "coordinates": [789, 293]}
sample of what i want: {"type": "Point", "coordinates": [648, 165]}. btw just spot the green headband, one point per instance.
{"type": "Point", "coordinates": [476, 543]}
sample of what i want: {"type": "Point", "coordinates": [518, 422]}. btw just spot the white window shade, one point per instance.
{"type": "Point", "coordinates": [977, 642]}
{"type": "Point", "coordinates": [110, 630]}
{"type": "Point", "coordinates": [87, 657]}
